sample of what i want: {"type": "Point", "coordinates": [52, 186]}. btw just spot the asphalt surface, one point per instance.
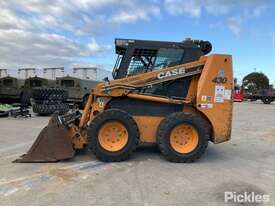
{"type": "Point", "coordinates": [244, 164]}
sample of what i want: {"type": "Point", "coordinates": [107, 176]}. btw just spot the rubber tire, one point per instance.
{"type": "Point", "coordinates": [44, 109]}
{"type": "Point", "coordinates": [133, 135]}
{"type": "Point", "coordinates": [267, 100]}
{"type": "Point", "coordinates": [49, 93]}
{"type": "Point", "coordinates": [169, 123]}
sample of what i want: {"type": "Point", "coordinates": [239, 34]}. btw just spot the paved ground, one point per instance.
{"type": "Point", "coordinates": [246, 163]}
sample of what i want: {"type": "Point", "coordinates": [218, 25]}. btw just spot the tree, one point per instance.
{"type": "Point", "coordinates": [256, 81]}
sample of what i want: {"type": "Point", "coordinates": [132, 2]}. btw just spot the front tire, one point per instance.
{"type": "Point", "coordinates": [113, 135]}
{"type": "Point", "coordinates": [183, 137]}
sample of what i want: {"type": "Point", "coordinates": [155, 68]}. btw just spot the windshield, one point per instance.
{"type": "Point", "coordinates": [7, 82]}
{"type": "Point", "coordinates": [145, 60]}
{"type": "Point", "coordinates": [67, 83]}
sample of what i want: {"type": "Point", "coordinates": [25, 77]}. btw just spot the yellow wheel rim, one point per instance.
{"type": "Point", "coordinates": [184, 138]}
{"type": "Point", "coordinates": [113, 136]}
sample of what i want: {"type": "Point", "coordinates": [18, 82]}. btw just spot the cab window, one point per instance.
{"type": "Point", "coordinates": [145, 60]}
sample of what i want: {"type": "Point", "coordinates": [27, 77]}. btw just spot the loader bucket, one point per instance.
{"type": "Point", "coordinates": [52, 144]}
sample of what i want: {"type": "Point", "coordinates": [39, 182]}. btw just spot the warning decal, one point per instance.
{"type": "Point", "coordinates": [219, 93]}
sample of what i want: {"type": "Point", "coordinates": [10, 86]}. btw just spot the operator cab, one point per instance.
{"type": "Point", "coordinates": [141, 56]}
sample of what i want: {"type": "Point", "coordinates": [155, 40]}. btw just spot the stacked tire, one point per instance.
{"type": "Point", "coordinates": [54, 94]}
{"type": "Point", "coordinates": [47, 101]}
{"type": "Point", "coordinates": [46, 109]}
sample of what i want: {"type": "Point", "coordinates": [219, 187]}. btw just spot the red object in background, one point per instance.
{"type": "Point", "coordinates": [238, 94]}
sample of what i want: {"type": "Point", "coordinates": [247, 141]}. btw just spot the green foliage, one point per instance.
{"type": "Point", "coordinates": [256, 81]}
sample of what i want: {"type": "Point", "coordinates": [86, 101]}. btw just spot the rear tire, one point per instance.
{"type": "Point", "coordinates": [183, 137]}
{"type": "Point", "coordinates": [115, 117]}
{"type": "Point", "coordinates": [267, 100]}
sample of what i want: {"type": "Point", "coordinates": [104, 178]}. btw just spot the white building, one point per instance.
{"type": "Point", "coordinates": [85, 72]}
{"type": "Point", "coordinates": [92, 73]}
{"type": "Point", "coordinates": [3, 73]}
{"type": "Point", "coordinates": [25, 73]}
{"type": "Point", "coordinates": [52, 73]}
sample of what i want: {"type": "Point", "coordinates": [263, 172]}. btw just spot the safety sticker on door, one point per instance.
{"type": "Point", "coordinates": [219, 93]}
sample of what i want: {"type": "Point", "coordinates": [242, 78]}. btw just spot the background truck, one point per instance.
{"type": "Point", "coordinates": [14, 90]}
{"type": "Point", "coordinates": [78, 89]}
{"type": "Point", "coordinates": [266, 95]}
{"type": "Point", "coordinates": [33, 83]}
{"type": "Point", "coordinates": [238, 93]}
{"type": "Point", "coordinates": [11, 89]}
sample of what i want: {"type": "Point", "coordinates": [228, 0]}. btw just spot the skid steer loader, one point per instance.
{"type": "Point", "coordinates": [167, 93]}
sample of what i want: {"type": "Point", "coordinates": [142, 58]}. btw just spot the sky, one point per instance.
{"type": "Point", "coordinates": [70, 33]}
